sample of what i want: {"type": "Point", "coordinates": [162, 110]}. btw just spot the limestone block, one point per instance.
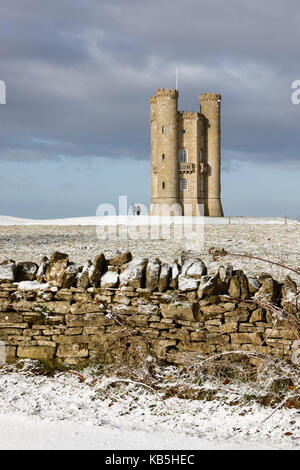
{"type": "Point", "coordinates": [73, 331]}
{"type": "Point", "coordinates": [70, 276]}
{"type": "Point", "coordinates": [199, 347]}
{"type": "Point", "coordinates": [217, 338]}
{"type": "Point", "coordinates": [9, 317]}
{"type": "Point", "coordinates": [217, 284]}
{"type": "Point", "coordinates": [7, 271]}
{"type": "Point", "coordinates": [196, 270]}
{"type": "Point", "coordinates": [161, 346]}
{"type": "Point", "coordinates": [240, 315]}
{"type": "Point", "coordinates": [121, 299]}
{"type": "Point", "coordinates": [83, 277]}
{"type": "Point", "coordinates": [269, 291]}
{"type": "Point", "coordinates": [256, 348]}
{"type": "Point", "coordinates": [249, 328]}
{"type": "Point", "coordinates": [10, 353]}
{"type": "Point", "coordinates": [110, 279]}
{"type": "Point", "coordinates": [282, 333]}
{"type": "Point", "coordinates": [92, 330]}
{"type": "Point", "coordinates": [52, 331]}
{"type": "Point", "coordinates": [177, 333]}
{"type": "Point", "coordinates": [26, 271]}
{"type": "Point", "coordinates": [137, 320]}
{"type": "Point", "coordinates": [41, 272]}
{"type": "Point", "coordinates": [36, 352]}
{"type": "Point", "coordinates": [174, 276]}
{"type": "Point", "coordinates": [98, 268]}
{"type": "Point", "coordinates": [55, 270]}
{"type": "Point", "coordinates": [79, 309]}
{"type": "Point", "coordinates": [4, 305]}
{"type": "Point", "coordinates": [198, 336]}
{"type": "Point", "coordinates": [238, 287]}
{"type": "Point", "coordinates": [64, 294]}
{"type": "Point", "coordinates": [187, 284]}
{"type": "Point", "coordinates": [134, 273]}
{"type": "Point", "coordinates": [124, 309]}
{"type": "Point", "coordinates": [70, 339]}
{"type": "Point", "coordinates": [164, 277]}
{"type": "Point", "coordinates": [179, 311]}
{"type": "Point", "coordinates": [103, 298]}
{"type": "Point", "coordinates": [120, 259]}
{"type": "Point", "coordinates": [231, 327]}
{"type": "Point", "coordinates": [152, 274]}
{"type": "Point", "coordinates": [72, 350]}
{"type": "Point", "coordinates": [45, 342]}
{"type": "Point", "coordinates": [88, 320]}
{"type": "Point", "coordinates": [211, 311]}
{"type": "Point", "coordinates": [257, 316]}
{"type": "Point", "coordinates": [246, 338]}
{"type": "Point", "coordinates": [253, 285]}
{"type": "Point", "coordinates": [58, 306]}
{"type": "Point", "coordinates": [290, 297]}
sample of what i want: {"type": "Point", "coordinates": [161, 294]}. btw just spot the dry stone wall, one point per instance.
{"type": "Point", "coordinates": [123, 309]}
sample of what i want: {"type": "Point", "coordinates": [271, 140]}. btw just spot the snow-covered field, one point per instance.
{"type": "Point", "coordinates": [63, 412]}
{"type": "Point", "coordinates": [67, 411]}
{"type": "Point", "coordinates": [95, 220]}
{"type": "Point", "coordinates": [271, 239]}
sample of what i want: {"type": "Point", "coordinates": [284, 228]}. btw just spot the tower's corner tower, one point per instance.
{"type": "Point", "coordinates": [210, 107]}
{"type": "Point", "coordinates": [164, 151]}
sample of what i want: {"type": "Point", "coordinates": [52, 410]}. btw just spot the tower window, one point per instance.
{"type": "Point", "coordinates": [183, 156]}
{"type": "Point", "coordinates": [201, 184]}
{"type": "Point", "coordinates": [163, 185]}
{"type": "Point", "coordinates": [163, 129]}
{"type": "Point", "coordinates": [163, 157]}
{"type": "Point", "coordinates": [183, 184]}
{"type": "Point", "coordinates": [201, 156]}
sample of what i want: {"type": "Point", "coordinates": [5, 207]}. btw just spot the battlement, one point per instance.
{"type": "Point", "coordinates": [165, 92]}
{"type": "Point", "coordinates": [189, 115]}
{"type": "Point", "coordinates": [210, 97]}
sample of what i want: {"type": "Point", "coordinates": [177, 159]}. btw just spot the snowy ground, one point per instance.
{"type": "Point", "coordinates": [61, 412]}
{"type": "Point", "coordinates": [271, 239]}
{"type": "Point", "coordinates": [64, 412]}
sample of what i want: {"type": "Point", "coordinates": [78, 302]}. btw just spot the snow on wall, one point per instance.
{"type": "Point", "coordinates": [112, 315]}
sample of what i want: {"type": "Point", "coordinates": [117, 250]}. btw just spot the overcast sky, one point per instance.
{"type": "Point", "coordinates": [79, 74]}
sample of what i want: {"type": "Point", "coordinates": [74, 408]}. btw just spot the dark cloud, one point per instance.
{"type": "Point", "coordinates": [79, 74]}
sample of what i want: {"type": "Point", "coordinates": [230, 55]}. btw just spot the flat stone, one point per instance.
{"type": "Point", "coordinates": [179, 311]}
{"type": "Point", "coordinates": [36, 352]}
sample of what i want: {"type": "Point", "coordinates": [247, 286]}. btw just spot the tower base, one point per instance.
{"type": "Point", "coordinates": [214, 208]}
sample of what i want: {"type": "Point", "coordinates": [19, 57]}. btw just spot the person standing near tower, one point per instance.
{"type": "Point", "coordinates": [133, 209]}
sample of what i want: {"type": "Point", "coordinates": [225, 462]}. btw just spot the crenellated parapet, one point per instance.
{"type": "Point", "coordinates": [210, 97]}
{"type": "Point", "coordinates": [189, 115]}
{"type": "Point", "coordinates": [164, 93]}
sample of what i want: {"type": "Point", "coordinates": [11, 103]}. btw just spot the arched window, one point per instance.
{"type": "Point", "coordinates": [183, 184]}
{"type": "Point", "coordinates": [201, 183]}
{"type": "Point", "coordinates": [163, 129]}
{"type": "Point", "coordinates": [163, 157]}
{"type": "Point", "coordinates": [163, 185]}
{"type": "Point", "coordinates": [183, 156]}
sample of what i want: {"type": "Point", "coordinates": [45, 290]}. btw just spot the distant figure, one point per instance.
{"type": "Point", "coordinates": [138, 210]}
{"type": "Point", "coordinates": [133, 209]}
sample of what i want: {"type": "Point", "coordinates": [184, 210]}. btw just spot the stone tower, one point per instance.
{"type": "Point", "coordinates": [185, 156]}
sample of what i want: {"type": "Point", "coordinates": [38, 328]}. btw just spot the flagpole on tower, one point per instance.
{"type": "Point", "coordinates": [176, 78]}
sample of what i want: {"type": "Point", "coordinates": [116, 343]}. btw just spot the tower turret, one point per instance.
{"type": "Point", "coordinates": [164, 152]}
{"type": "Point", "coordinates": [210, 109]}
